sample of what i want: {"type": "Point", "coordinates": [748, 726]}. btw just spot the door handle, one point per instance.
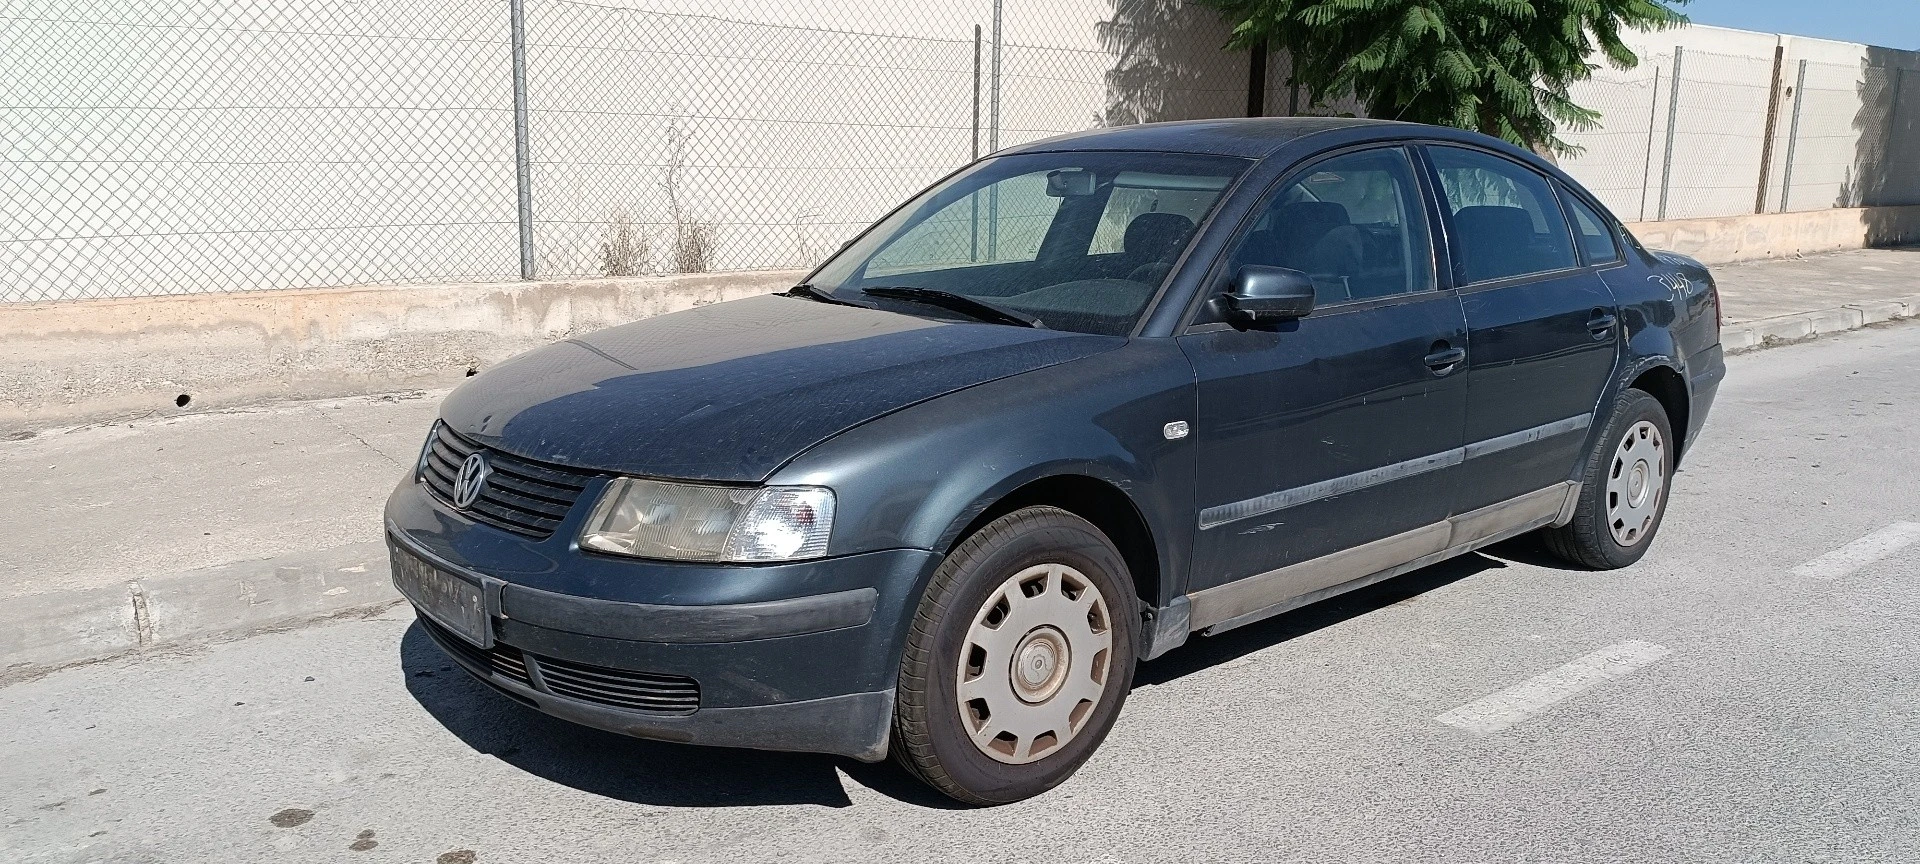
{"type": "Point", "coordinates": [1443, 360]}
{"type": "Point", "coordinates": [1601, 324]}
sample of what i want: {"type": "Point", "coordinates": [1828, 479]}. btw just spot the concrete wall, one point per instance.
{"type": "Point", "coordinates": [89, 360]}
{"type": "Point", "coordinates": [1725, 239]}
{"type": "Point", "coordinates": [1853, 146]}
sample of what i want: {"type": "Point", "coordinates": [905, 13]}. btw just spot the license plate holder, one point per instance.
{"type": "Point", "coordinates": [453, 602]}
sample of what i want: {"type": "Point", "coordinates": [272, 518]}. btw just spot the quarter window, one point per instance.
{"type": "Point", "coordinates": [1590, 232]}
{"type": "Point", "coordinates": [1354, 223]}
{"type": "Point", "coordinates": [1506, 221]}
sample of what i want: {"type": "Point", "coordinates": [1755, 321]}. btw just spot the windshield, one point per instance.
{"type": "Point", "coordinates": [1079, 241]}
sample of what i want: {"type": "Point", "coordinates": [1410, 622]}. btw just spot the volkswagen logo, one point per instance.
{"type": "Point", "coordinates": [472, 480]}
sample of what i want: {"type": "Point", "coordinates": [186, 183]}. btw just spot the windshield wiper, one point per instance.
{"type": "Point", "coordinates": [808, 292]}
{"type": "Point", "coordinates": [971, 307]}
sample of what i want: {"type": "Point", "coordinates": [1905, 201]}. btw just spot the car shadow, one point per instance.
{"type": "Point", "coordinates": [682, 775]}
{"type": "Point", "coordinates": [631, 769]}
{"type": "Point", "coordinates": [1205, 652]}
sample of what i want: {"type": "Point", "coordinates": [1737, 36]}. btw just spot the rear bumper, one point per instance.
{"type": "Point", "coordinates": [799, 657]}
{"type": "Point", "coordinates": [1705, 371]}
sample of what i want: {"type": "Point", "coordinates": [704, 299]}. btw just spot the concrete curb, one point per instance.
{"type": "Point", "coordinates": [44, 632]}
{"type": "Point", "coordinates": [1800, 326]}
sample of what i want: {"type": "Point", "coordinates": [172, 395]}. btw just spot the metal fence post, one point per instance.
{"type": "Point", "coordinates": [522, 174]}
{"type": "Point", "coordinates": [993, 121]}
{"type": "Point", "coordinates": [1766, 140]}
{"type": "Point", "coordinates": [1653, 122]}
{"type": "Point", "coordinates": [1257, 80]}
{"type": "Point", "coordinates": [976, 91]}
{"type": "Point", "coordinates": [993, 141]}
{"type": "Point", "coordinates": [1793, 136]}
{"type": "Point", "coordinates": [1886, 148]}
{"type": "Point", "coordinates": [973, 201]}
{"type": "Point", "coordinates": [1673, 123]}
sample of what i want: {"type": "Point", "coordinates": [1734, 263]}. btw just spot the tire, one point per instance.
{"type": "Point", "coordinates": [1053, 561]}
{"type": "Point", "coordinates": [1617, 517]}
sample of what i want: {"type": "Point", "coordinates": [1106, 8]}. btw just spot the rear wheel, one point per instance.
{"type": "Point", "coordinates": [1624, 490]}
{"type": "Point", "coordinates": [1018, 660]}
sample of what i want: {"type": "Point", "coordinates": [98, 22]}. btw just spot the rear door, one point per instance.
{"type": "Point", "coordinates": [1543, 325]}
{"type": "Point", "coordinates": [1341, 428]}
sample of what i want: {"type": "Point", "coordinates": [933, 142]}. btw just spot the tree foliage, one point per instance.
{"type": "Point", "coordinates": [1501, 67]}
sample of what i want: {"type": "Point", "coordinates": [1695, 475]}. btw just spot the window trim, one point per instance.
{"type": "Point", "coordinates": [1216, 275]}
{"type": "Point", "coordinates": [1439, 195]}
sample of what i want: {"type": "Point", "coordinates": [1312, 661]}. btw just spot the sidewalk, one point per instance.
{"type": "Point", "coordinates": [1768, 302]}
{"type": "Point", "coordinates": [165, 532]}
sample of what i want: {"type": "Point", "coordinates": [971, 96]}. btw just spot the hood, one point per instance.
{"type": "Point", "coordinates": [732, 391]}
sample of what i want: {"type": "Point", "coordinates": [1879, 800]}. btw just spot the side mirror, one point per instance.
{"type": "Point", "coordinates": [1261, 293]}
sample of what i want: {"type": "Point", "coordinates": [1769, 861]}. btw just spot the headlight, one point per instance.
{"type": "Point", "coordinates": [682, 521]}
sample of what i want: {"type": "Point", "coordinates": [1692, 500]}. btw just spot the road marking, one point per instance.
{"type": "Point", "coordinates": [1543, 691]}
{"type": "Point", "coordinates": [1861, 552]}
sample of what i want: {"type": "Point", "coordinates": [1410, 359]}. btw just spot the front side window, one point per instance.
{"type": "Point", "coordinates": [1506, 219]}
{"type": "Point", "coordinates": [1353, 223]}
{"type": "Point", "coordinates": [1075, 240]}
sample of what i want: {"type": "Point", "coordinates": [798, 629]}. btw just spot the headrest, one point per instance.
{"type": "Point", "coordinates": [1151, 236]}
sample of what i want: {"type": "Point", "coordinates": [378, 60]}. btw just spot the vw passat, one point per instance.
{"type": "Point", "coordinates": [1068, 407]}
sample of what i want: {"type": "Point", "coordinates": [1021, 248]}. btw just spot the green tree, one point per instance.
{"type": "Point", "coordinates": [1501, 67]}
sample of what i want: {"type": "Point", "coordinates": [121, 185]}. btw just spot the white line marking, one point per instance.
{"type": "Point", "coordinates": [1861, 552]}
{"type": "Point", "coordinates": [1543, 691]}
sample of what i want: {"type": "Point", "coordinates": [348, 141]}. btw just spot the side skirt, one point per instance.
{"type": "Point", "coordinates": [1255, 598]}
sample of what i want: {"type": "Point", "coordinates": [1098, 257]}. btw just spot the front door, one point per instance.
{"type": "Point", "coordinates": [1343, 427]}
{"type": "Point", "coordinates": [1542, 323]}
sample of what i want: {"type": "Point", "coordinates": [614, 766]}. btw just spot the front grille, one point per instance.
{"type": "Point", "coordinates": [505, 661]}
{"type": "Point", "coordinates": [616, 688]}
{"type": "Point", "coordinates": [619, 688]}
{"type": "Point", "coordinates": [522, 496]}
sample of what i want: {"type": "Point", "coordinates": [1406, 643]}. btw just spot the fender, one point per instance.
{"type": "Point", "coordinates": [1100, 417]}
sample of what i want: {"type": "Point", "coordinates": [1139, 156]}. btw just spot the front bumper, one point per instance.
{"type": "Point", "coordinates": [796, 656]}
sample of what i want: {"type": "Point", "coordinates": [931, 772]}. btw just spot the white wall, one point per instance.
{"type": "Point", "coordinates": [171, 146]}
{"type": "Point", "coordinates": [1719, 137]}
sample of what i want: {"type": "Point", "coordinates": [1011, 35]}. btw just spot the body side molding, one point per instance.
{"type": "Point", "coordinates": [1221, 514]}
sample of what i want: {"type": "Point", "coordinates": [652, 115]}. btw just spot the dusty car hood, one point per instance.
{"type": "Point", "coordinates": [732, 391]}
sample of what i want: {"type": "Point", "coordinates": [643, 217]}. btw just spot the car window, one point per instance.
{"type": "Point", "coordinates": [1079, 240]}
{"type": "Point", "coordinates": [1353, 223]}
{"type": "Point", "coordinates": [1506, 221]}
{"type": "Point", "coordinates": [1000, 223]}
{"type": "Point", "coordinates": [1127, 204]}
{"type": "Point", "coordinates": [1590, 232]}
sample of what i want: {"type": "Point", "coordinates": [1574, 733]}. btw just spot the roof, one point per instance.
{"type": "Point", "coordinates": [1251, 137]}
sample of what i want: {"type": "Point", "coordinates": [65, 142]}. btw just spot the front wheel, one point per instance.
{"type": "Point", "coordinates": [1018, 660]}
{"type": "Point", "coordinates": [1624, 490]}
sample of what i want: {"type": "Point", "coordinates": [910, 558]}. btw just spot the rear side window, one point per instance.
{"type": "Point", "coordinates": [1590, 232]}
{"type": "Point", "coordinates": [1506, 219]}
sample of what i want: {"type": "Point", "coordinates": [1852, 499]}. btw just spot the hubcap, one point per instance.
{"type": "Point", "coordinates": [1635, 481]}
{"type": "Point", "coordinates": [1034, 663]}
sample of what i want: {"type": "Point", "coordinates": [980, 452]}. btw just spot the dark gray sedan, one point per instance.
{"type": "Point", "coordinates": [1075, 403]}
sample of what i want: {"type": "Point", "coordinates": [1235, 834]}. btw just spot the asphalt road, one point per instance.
{"type": "Point", "coordinates": [1746, 693]}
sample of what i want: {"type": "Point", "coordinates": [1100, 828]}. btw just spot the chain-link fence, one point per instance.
{"type": "Point", "coordinates": [176, 146]}
{"type": "Point", "coordinates": [160, 148]}
{"type": "Point", "coordinates": [1690, 134]}
{"type": "Point", "coordinates": [199, 145]}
